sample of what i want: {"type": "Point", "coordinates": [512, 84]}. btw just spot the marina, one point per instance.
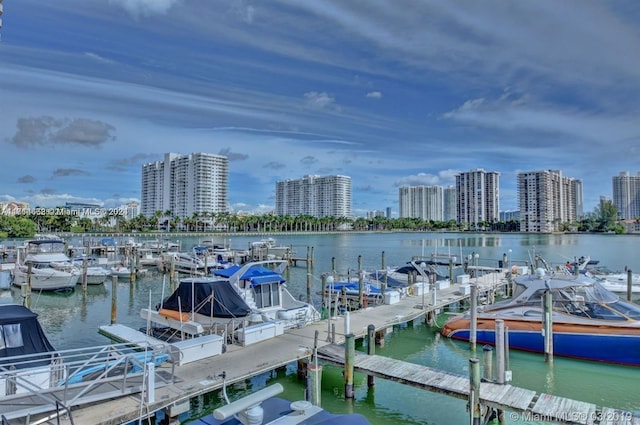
{"type": "Point", "coordinates": [296, 351]}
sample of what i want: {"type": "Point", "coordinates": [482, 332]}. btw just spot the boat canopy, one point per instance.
{"type": "Point", "coordinates": [21, 333]}
{"type": "Point", "coordinates": [196, 294]}
{"type": "Point", "coordinates": [255, 275]}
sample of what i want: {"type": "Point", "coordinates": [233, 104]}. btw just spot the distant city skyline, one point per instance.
{"type": "Point", "coordinates": [390, 96]}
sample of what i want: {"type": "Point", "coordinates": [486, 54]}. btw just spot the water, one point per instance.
{"type": "Point", "coordinates": [72, 321]}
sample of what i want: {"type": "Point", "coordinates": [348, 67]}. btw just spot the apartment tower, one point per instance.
{"type": "Point", "coordinates": [317, 196]}
{"type": "Point", "coordinates": [548, 200]}
{"type": "Point", "coordinates": [185, 184]}
{"type": "Point", "coordinates": [423, 202]}
{"type": "Point", "coordinates": [477, 194]}
{"type": "Point", "coordinates": [626, 195]}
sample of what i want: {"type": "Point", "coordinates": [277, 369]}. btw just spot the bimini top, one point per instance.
{"type": "Point", "coordinates": [196, 295]}
{"type": "Point", "coordinates": [20, 332]}
{"type": "Point", "coordinates": [255, 275]}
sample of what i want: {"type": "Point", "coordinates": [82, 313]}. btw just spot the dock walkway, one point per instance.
{"type": "Point", "coordinates": [240, 363]}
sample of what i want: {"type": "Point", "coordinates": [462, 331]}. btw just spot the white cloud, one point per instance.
{"type": "Point", "coordinates": [375, 95]}
{"type": "Point", "coordinates": [145, 8]}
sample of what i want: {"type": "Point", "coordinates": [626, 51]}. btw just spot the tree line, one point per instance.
{"type": "Point", "coordinates": [602, 219]}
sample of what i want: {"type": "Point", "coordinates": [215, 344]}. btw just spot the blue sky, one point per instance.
{"type": "Point", "coordinates": [390, 93]}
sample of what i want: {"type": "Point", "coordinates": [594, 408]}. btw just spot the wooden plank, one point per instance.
{"type": "Point", "coordinates": [563, 409]}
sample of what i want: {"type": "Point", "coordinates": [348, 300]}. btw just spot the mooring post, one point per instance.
{"type": "Point", "coordinates": [360, 283]}
{"type": "Point", "coordinates": [371, 349]}
{"type": "Point", "coordinates": [475, 413]}
{"type": "Point", "coordinates": [84, 274]}
{"type": "Point", "coordinates": [132, 266]}
{"type": "Point", "coordinates": [350, 353]}
{"type": "Point", "coordinates": [487, 363]}
{"type": "Point", "coordinates": [548, 327]}
{"type": "Point", "coordinates": [114, 298]}
{"type": "Point", "coordinates": [308, 278]}
{"type": "Point", "coordinates": [473, 324]}
{"type": "Point", "coordinates": [629, 284]}
{"type": "Point", "coordinates": [384, 281]}
{"type": "Point", "coordinates": [500, 352]}
{"type": "Point", "coordinates": [27, 295]}
{"type": "Point", "coordinates": [315, 374]}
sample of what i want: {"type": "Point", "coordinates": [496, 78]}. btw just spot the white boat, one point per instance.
{"type": "Point", "coordinates": [616, 281]}
{"type": "Point", "coordinates": [120, 271]}
{"type": "Point", "coordinates": [249, 303]}
{"type": "Point", "coordinates": [44, 264]}
{"type": "Point", "coordinates": [182, 262]}
{"type": "Point", "coordinates": [96, 274]}
{"type": "Point", "coordinates": [268, 249]}
{"type": "Point", "coordinates": [263, 407]}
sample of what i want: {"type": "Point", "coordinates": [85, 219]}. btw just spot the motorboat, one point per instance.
{"type": "Point", "coordinates": [25, 348]}
{"type": "Point", "coordinates": [617, 282]}
{"type": "Point", "coordinates": [182, 262]}
{"type": "Point", "coordinates": [410, 273]}
{"type": "Point", "coordinates": [268, 249]}
{"type": "Point", "coordinates": [44, 264]}
{"type": "Point", "coordinates": [263, 407]}
{"type": "Point", "coordinates": [96, 274]}
{"type": "Point", "coordinates": [589, 322]}
{"type": "Point", "coordinates": [247, 303]}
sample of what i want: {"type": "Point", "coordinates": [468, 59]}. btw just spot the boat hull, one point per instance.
{"type": "Point", "coordinates": [609, 344]}
{"type": "Point", "coordinates": [46, 279]}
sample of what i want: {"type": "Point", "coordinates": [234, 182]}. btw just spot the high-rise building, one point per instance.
{"type": "Point", "coordinates": [626, 195]}
{"type": "Point", "coordinates": [328, 196]}
{"type": "Point", "coordinates": [449, 203]}
{"type": "Point", "coordinates": [478, 197]}
{"type": "Point", "coordinates": [185, 184]}
{"type": "Point", "coordinates": [423, 202]}
{"type": "Point", "coordinates": [548, 200]}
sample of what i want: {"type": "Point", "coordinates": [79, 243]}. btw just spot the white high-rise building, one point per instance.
{"type": "Point", "coordinates": [626, 195]}
{"type": "Point", "coordinates": [548, 200]}
{"type": "Point", "coordinates": [423, 202]}
{"type": "Point", "coordinates": [185, 184]}
{"type": "Point", "coordinates": [478, 197]}
{"type": "Point", "coordinates": [449, 201]}
{"type": "Point", "coordinates": [328, 196]}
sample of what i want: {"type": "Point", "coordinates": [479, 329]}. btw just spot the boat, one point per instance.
{"type": "Point", "coordinates": [182, 262]}
{"type": "Point", "coordinates": [96, 274]}
{"type": "Point", "coordinates": [263, 407]}
{"type": "Point", "coordinates": [410, 273]}
{"type": "Point", "coordinates": [268, 249]}
{"type": "Point", "coordinates": [247, 303]}
{"type": "Point", "coordinates": [589, 322]}
{"type": "Point", "coordinates": [48, 265]}
{"type": "Point", "coordinates": [120, 271]}
{"type": "Point", "coordinates": [617, 282]}
{"type": "Point", "coordinates": [25, 348]}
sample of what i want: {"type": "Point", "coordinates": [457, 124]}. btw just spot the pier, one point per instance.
{"type": "Point", "coordinates": [238, 363]}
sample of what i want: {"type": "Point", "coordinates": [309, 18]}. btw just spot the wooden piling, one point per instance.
{"type": "Point", "coordinates": [114, 298]}
{"type": "Point", "coordinates": [84, 275]}
{"type": "Point", "coordinates": [473, 329]}
{"type": "Point", "coordinates": [360, 283]}
{"type": "Point", "coordinates": [350, 353]}
{"type": "Point", "coordinates": [371, 350]}
{"type": "Point", "coordinates": [475, 413]}
{"type": "Point", "coordinates": [500, 351]}
{"type": "Point", "coordinates": [27, 295]}
{"type": "Point", "coordinates": [629, 284]}
{"type": "Point", "coordinates": [309, 278]}
{"type": "Point", "coordinates": [547, 320]}
{"type": "Point", "coordinates": [487, 363]}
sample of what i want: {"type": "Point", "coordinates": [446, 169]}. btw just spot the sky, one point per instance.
{"type": "Point", "coordinates": [390, 93]}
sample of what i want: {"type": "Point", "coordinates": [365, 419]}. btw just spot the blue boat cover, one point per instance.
{"type": "Point", "coordinates": [255, 275]}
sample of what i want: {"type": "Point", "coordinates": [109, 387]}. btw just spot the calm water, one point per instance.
{"type": "Point", "coordinates": [73, 321]}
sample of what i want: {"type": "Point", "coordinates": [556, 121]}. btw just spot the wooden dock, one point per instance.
{"type": "Point", "coordinates": [240, 363]}
{"type": "Point", "coordinates": [529, 404]}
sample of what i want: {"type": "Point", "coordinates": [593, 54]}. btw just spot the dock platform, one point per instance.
{"type": "Point", "coordinates": [239, 363]}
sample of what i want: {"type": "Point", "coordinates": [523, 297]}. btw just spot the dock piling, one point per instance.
{"type": "Point", "coordinates": [500, 352]}
{"type": "Point", "coordinates": [487, 363]}
{"type": "Point", "coordinates": [473, 310]}
{"type": "Point", "coordinates": [547, 329]}
{"type": "Point", "coordinates": [350, 353]}
{"type": "Point", "coordinates": [629, 284]}
{"type": "Point", "coordinates": [475, 413]}
{"type": "Point", "coordinates": [114, 298]}
{"type": "Point", "coordinates": [371, 350]}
